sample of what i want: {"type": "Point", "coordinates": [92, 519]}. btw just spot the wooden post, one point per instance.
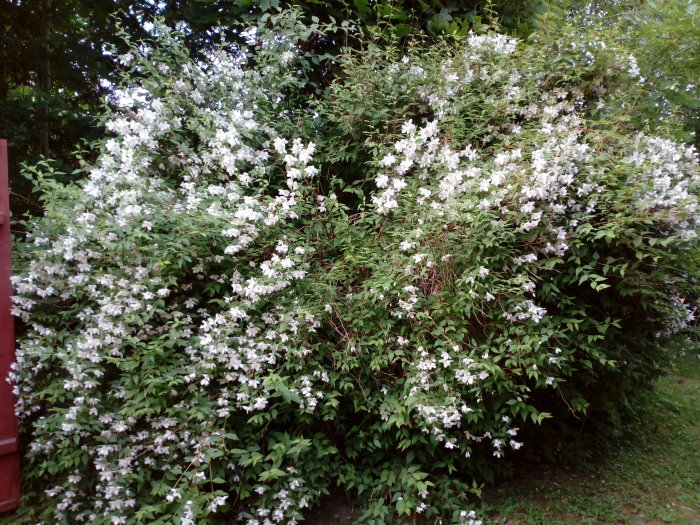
{"type": "Point", "coordinates": [9, 453]}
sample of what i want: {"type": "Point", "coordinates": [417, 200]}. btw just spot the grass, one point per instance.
{"type": "Point", "coordinates": [652, 478]}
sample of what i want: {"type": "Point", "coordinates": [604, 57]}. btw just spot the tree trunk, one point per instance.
{"type": "Point", "coordinates": [45, 77]}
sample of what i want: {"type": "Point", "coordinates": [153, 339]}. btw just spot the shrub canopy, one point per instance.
{"type": "Point", "coordinates": [257, 294]}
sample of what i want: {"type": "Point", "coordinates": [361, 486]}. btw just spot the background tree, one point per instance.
{"type": "Point", "coordinates": [55, 74]}
{"type": "Point", "coordinates": [664, 40]}
{"type": "Point", "coordinates": [667, 37]}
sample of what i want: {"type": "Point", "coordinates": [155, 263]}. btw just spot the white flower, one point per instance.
{"type": "Point", "coordinates": [381, 181]}
{"type": "Point", "coordinates": [408, 127]}
{"type": "Point", "coordinates": [280, 145]}
{"type": "Point", "coordinates": [387, 161]}
{"type": "Point", "coordinates": [398, 184]}
{"type": "Point", "coordinates": [286, 57]}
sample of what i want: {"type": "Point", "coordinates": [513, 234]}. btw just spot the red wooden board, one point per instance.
{"type": "Point", "coordinates": [9, 455]}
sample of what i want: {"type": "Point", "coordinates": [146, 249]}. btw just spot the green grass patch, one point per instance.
{"type": "Point", "coordinates": [651, 477]}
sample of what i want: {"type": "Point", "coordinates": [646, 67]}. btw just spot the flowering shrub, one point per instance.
{"type": "Point", "coordinates": [212, 333]}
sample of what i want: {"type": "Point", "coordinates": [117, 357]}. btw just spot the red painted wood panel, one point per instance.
{"type": "Point", "coordinates": [9, 454]}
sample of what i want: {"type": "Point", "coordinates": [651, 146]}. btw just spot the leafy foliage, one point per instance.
{"type": "Point", "coordinates": [54, 76]}
{"type": "Point", "coordinates": [663, 41]}
{"type": "Point", "coordinates": [251, 298]}
{"type": "Point", "coordinates": [58, 58]}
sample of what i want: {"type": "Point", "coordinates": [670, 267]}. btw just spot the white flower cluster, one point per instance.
{"type": "Point", "coordinates": [151, 242]}
{"type": "Point", "coordinates": [430, 185]}
{"type": "Point", "coordinates": [668, 182]}
{"type": "Point", "coordinates": [539, 188]}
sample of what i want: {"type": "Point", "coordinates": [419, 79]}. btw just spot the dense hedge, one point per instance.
{"type": "Point", "coordinates": [214, 333]}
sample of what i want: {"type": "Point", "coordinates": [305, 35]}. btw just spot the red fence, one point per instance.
{"type": "Point", "coordinates": [9, 454]}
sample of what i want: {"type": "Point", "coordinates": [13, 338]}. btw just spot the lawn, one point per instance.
{"type": "Point", "coordinates": [653, 477]}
